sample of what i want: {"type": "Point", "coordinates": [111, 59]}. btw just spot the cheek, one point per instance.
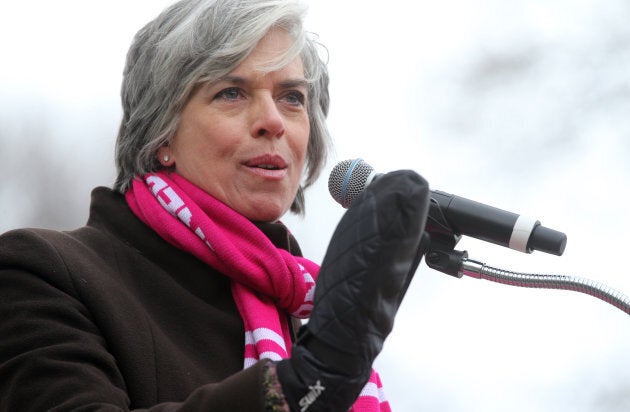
{"type": "Point", "coordinates": [202, 141]}
{"type": "Point", "coordinates": [300, 144]}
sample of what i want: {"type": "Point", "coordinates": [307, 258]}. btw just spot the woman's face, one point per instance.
{"type": "Point", "coordinates": [244, 138]}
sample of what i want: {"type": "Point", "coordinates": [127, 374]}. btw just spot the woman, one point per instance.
{"type": "Point", "coordinates": [181, 291]}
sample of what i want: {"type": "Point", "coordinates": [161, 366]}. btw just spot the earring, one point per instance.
{"type": "Point", "coordinates": [166, 158]}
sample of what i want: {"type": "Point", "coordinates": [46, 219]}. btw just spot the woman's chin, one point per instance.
{"type": "Point", "coordinates": [263, 212]}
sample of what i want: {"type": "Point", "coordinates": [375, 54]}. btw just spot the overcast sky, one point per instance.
{"type": "Point", "coordinates": [521, 104]}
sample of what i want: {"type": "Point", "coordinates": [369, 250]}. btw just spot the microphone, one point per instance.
{"type": "Point", "coordinates": [452, 216]}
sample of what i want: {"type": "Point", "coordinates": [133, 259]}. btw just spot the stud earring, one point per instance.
{"type": "Point", "coordinates": [166, 158]}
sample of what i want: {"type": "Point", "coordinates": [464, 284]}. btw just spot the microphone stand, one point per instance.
{"type": "Point", "coordinates": [442, 257]}
{"type": "Point", "coordinates": [350, 177]}
{"type": "Point", "coordinates": [529, 280]}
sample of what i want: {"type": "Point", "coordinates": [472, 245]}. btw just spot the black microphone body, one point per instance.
{"type": "Point", "coordinates": [451, 216]}
{"type": "Point", "coordinates": [490, 224]}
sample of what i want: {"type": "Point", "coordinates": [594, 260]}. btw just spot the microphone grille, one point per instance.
{"type": "Point", "coordinates": [348, 179]}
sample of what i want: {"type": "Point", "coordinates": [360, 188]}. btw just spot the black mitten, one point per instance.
{"type": "Point", "coordinates": [370, 261]}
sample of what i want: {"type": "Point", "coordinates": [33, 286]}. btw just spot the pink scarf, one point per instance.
{"type": "Point", "coordinates": [267, 282]}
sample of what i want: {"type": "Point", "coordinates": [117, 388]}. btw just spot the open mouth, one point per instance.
{"type": "Point", "coordinates": [268, 167]}
{"type": "Point", "coordinates": [267, 162]}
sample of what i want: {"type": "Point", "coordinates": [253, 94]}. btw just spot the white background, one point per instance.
{"type": "Point", "coordinates": [520, 104]}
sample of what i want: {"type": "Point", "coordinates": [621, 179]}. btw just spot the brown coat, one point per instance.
{"type": "Point", "coordinates": [111, 317]}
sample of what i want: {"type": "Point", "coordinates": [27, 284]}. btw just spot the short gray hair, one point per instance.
{"type": "Point", "coordinates": [198, 41]}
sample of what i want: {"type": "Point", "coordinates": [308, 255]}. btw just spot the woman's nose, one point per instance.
{"type": "Point", "coordinates": [267, 119]}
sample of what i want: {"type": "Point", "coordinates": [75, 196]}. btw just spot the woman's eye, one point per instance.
{"type": "Point", "coordinates": [231, 93]}
{"type": "Point", "coordinates": [295, 98]}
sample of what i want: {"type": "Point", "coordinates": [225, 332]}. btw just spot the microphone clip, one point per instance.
{"type": "Point", "coordinates": [442, 256]}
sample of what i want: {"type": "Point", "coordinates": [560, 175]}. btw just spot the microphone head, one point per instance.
{"type": "Point", "coordinates": [348, 179]}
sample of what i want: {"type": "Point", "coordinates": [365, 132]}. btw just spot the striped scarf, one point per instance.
{"type": "Point", "coordinates": [267, 282]}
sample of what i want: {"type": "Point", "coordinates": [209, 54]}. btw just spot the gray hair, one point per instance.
{"type": "Point", "coordinates": [198, 41]}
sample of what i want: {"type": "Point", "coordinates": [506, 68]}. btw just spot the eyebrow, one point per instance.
{"type": "Point", "coordinates": [285, 84]}
{"type": "Point", "coordinates": [293, 83]}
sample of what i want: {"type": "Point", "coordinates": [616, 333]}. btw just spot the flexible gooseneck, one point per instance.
{"type": "Point", "coordinates": [480, 270]}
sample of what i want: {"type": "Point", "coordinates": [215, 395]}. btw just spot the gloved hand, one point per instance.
{"type": "Point", "coordinates": [370, 261]}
